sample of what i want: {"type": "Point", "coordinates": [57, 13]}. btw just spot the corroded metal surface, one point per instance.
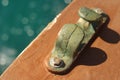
{"type": "Point", "coordinates": [73, 38]}
{"type": "Point", "coordinates": [102, 62]}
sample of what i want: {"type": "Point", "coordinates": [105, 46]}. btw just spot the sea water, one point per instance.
{"type": "Point", "coordinates": [20, 23]}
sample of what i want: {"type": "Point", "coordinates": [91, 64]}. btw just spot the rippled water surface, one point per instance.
{"type": "Point", "coordinates": [20, 23]}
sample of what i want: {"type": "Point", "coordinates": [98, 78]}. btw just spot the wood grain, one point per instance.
{"type": "Point", "coordinates": [100, 61]}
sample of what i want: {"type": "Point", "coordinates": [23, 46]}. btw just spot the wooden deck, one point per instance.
{"type": "Point", "coordinates": [99, 62]}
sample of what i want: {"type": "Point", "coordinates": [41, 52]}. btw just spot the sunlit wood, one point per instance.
{"type": "Point", "coordinates": [100, 61]}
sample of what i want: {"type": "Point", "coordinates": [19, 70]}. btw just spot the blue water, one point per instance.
{"type": "Point", "coordinates": [20, 23]}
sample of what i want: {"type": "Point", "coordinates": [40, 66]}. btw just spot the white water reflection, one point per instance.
{"type": "Point", "coordinates": [16, 31]}
{"type": "Point", "coordinates": [25, 20]}
{"type": "Point", "coordinates": [3, 59]}
{"type": "Point", "coordinates": [68, 1]}
{"type": "Point", "coordinates": [33, 16]}
{"type": "Point", "coordinates": [7, 55]}
{"type": "Point", "coordinates": [5, 2]}
{"type": "Point", "coordinates": [29, 31]}
{"type": "Point", "coordinates": [4, 37]}
{"type": "Point", "coordinates": [32, 4]}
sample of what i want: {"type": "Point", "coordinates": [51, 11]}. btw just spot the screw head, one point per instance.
{"type": "Point", "coordinates": [56, 62]}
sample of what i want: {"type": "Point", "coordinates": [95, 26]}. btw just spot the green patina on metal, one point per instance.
{"type": "Point", "coordinates": [72, 36]}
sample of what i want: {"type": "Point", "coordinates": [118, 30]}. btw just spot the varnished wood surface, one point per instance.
{"type": "Point", "coordinates": [100, 61]}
